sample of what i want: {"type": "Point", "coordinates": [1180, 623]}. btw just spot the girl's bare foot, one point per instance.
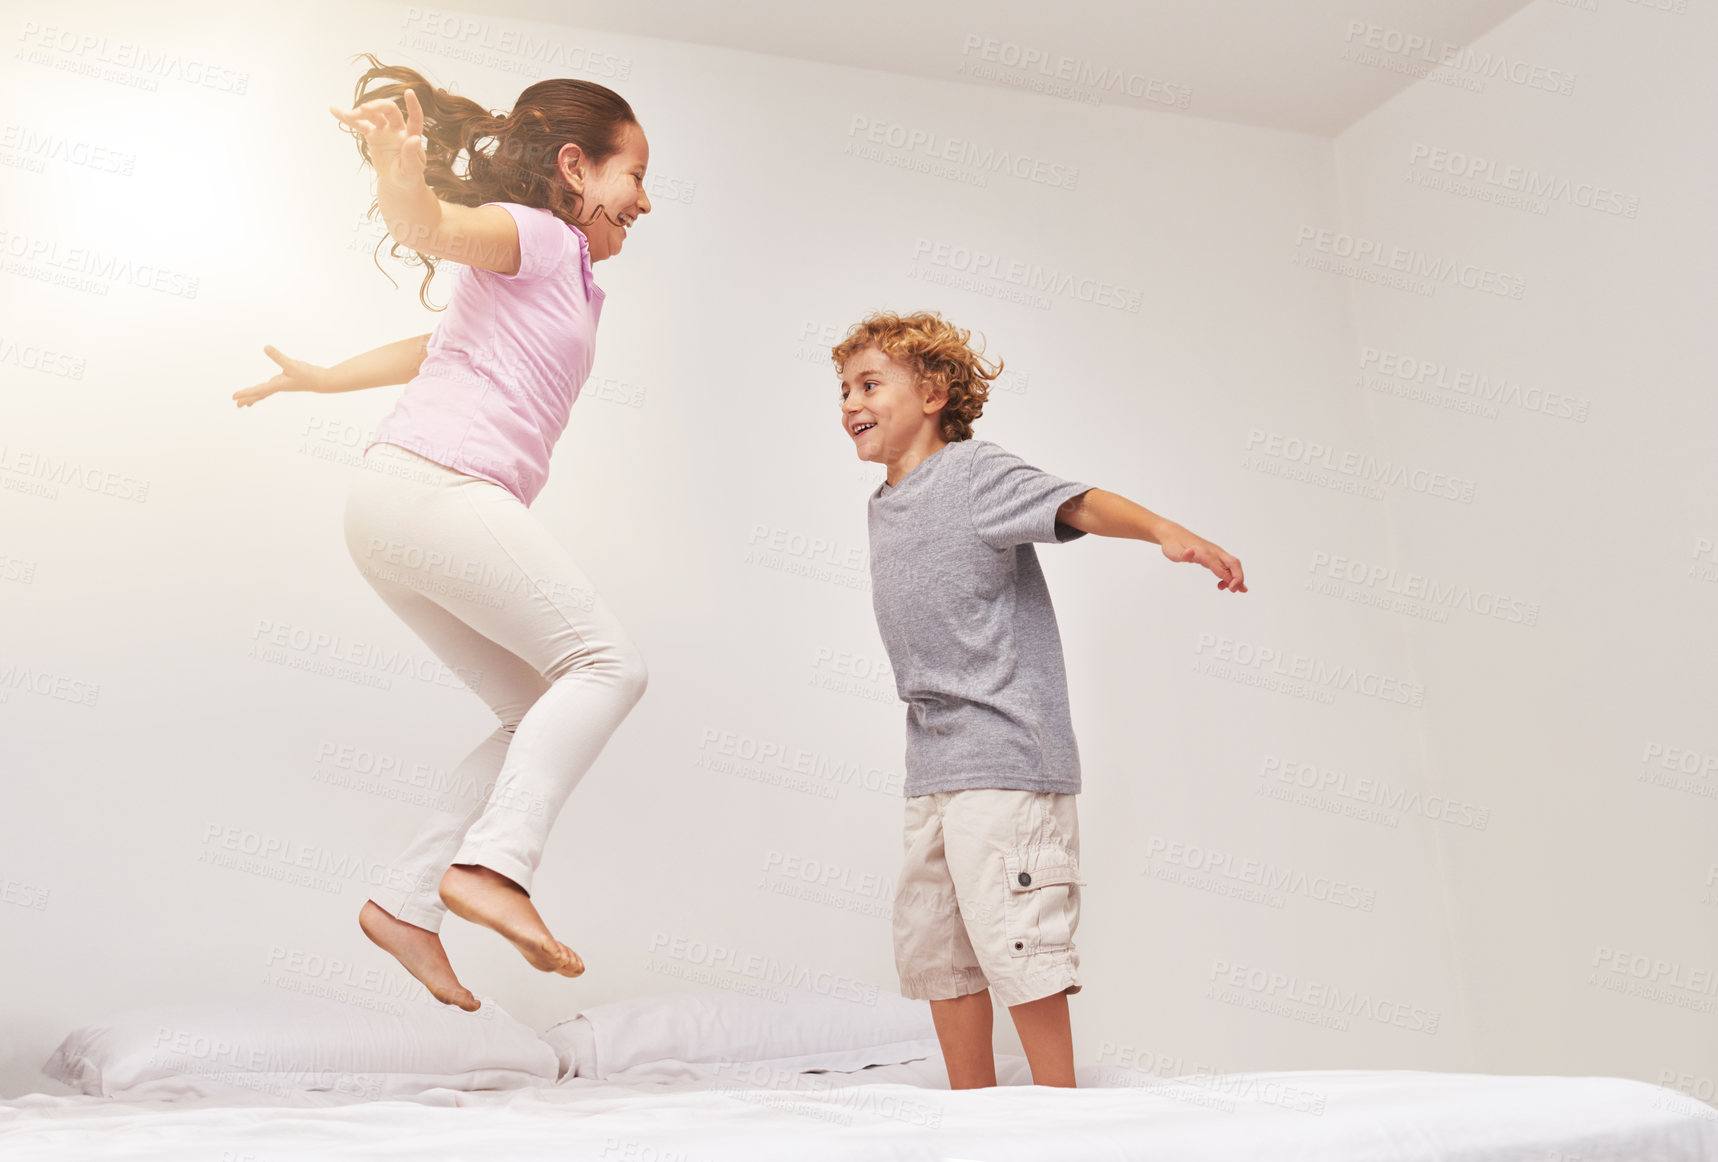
{"type": "Point", "coordinates": [420, 952]}
{"type": "Point", "coordinates": [476, 893]}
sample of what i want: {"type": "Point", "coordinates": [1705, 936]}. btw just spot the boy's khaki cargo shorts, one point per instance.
{"type": "Point", "coordinates": [989, 896]}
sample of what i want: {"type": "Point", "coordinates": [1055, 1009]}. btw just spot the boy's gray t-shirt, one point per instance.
{"type": "Point", "coordinates": [966, 619]}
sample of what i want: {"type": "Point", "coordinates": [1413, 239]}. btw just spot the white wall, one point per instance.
{"type": "Point", "coordinates": [1583, 914]}
{"type": "Point", "coordinates": [769, 237]}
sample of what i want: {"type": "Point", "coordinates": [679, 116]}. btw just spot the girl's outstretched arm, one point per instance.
{"type": "Point", "coordinates": [393, 363]}
{"type": "Point", "coordinates": [1108, 515]}
{"type": "Point", "coordinates": [482, 236]}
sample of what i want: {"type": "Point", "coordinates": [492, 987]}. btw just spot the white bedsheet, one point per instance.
{"type": "Point", "coordinates": [899, 1112]}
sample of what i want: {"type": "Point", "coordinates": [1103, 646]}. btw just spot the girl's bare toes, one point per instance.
{"type": "Point", "coordinates": [571, 964]}
{"type": "Point", "coordinates": [459, 998]}
{"type": "Point", "coordinates": [557, 957]}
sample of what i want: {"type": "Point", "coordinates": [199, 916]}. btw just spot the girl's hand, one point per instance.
{"type": "Point", "coordinates": [295, 375]}
{"type": "Point", "coordinates": [396, 143]}
{"type": "Point", "coordinates": [1181, 546]}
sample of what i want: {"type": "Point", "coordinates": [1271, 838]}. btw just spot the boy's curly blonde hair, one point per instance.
{"type": "Point", "coordinates": [936, 349]}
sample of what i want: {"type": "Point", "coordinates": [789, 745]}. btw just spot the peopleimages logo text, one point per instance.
{"type": "Point", "coordinates": [1406, 260]}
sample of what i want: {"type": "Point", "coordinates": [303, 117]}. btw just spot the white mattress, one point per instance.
{"type": "Point", "coordinates": [899, 1112]}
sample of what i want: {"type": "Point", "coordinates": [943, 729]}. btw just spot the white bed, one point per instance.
{"type": "Point", "coordinates": [661, 1079]}
{"type": "Point", "coordinates": [900, 1112]}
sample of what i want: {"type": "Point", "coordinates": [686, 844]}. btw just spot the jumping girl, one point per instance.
{"type": "Point", "coordinates": [439, 522]}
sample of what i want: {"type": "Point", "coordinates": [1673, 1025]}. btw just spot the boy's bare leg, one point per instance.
{"type": "Point", "coordinates": [484, 896]}
{"type": "Point", "coordinates": [1047, 1038]}
{"type": "Point", "coordinates": [963, 1031]}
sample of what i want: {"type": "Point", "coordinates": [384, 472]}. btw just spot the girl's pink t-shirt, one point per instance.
{"type": "Point", "coordinates": [506, 361]}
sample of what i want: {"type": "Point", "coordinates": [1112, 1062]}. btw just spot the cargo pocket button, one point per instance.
{"type": "Point", "coordinates": [1025, 879]}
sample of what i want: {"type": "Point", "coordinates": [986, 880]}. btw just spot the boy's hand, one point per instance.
{"type": "Point", "coordinates": [396, 143]}
{"type": "Point", "coordinates": [295, 375]}
{"type": "Point", "coordinates": [1181, 546]}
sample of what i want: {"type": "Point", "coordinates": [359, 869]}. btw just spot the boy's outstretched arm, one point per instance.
{"type": "Point", "coordinates": [1106, 514]}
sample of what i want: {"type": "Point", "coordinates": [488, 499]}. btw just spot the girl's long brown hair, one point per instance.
{"type": "Point", "coordinates": [518, 163]}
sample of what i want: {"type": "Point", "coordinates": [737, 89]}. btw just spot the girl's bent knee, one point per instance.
{"type": "Point", "coordinates": [634, 675]}
{"type": "Point", "coordinates": [620, 667]}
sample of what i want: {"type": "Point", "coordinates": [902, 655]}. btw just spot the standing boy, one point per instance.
{"type": "Point", "coordinates": [988, 896]}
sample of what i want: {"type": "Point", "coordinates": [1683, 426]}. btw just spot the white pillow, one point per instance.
{"type": "Point", "coordinates": [286, 1046]}
{"type": "Point", "coordinates": [706, 1033]}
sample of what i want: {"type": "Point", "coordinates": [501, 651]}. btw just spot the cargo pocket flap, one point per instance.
{"type": "Point", "coordinates": [1042, 866]}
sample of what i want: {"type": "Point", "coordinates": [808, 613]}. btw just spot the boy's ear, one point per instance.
{"type": "Point", "coordinates": [935, 397]}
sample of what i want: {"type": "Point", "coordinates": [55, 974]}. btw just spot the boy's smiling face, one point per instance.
{"type": "Point", "coordinates": [884, 412]}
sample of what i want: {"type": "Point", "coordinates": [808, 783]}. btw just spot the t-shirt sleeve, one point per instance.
{"type": "Point", "coordinates": [543, 241]}
{"type": "Point", "coordinates": [1013, 503]}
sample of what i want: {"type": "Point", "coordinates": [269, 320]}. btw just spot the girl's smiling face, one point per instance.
{"type": "Point", "coordinates": [616, 186]}
{"type": "Point", "coordinates": [882, 409]}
